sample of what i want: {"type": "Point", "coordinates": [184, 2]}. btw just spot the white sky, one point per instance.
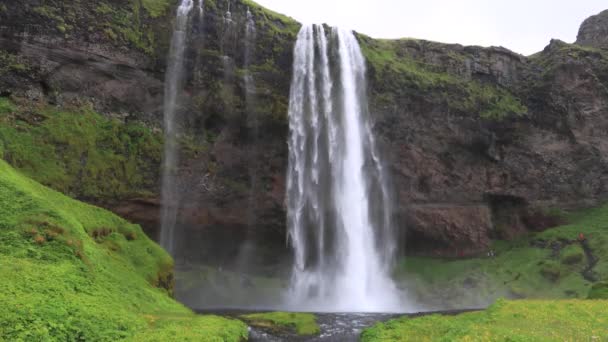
{"type": "Point", "coordinates": [524, 26]}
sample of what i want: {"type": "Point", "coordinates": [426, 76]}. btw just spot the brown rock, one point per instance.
{"type": "Point", "coordinates": [448, 230]}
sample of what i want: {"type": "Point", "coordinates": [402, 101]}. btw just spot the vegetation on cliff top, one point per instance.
{"type": "Point", "coordinates": [76, 272]}
{"type": "Point", "coordinates": [395, 70]}
{"type": "Point", "coordinates": [79, 152]}
{"type": "Point", "coordinates": [525, 320]}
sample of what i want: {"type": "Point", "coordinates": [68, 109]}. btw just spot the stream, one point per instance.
{"type": "Point", "coordinates": [335, 327]}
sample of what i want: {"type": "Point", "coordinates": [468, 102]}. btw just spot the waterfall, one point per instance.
{"type": "Point", "coordinates": [200, 9]}
{"type": "Point", "coordinates": [250, 36]}
{"type": "Point", "coordinates": [339, 208]}
{"type": "Point", "coordinates": [174, 79]}
{"type": "Point", "coordinates": [252, 119]}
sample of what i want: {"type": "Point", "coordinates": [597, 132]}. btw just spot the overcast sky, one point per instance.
{"type": "Point", "coordinates": [524, 26]}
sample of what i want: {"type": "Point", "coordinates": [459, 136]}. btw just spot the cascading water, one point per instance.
{"type": "Point", "coordinates": [250, 36]}
{"type": "Point", "coordinates": [200, 8]}
{"type": "Point", "coordinates": [174, 78]}
{"type": "Point", "coordinates": [252, 119]}
{"type": "Point", "coordinates": [338, 204]}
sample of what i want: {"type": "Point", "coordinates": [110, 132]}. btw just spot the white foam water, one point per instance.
{"type": "Point", "coordinates": [339, 209]}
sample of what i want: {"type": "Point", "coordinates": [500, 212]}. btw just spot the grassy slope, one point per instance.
{"type": "Point", "coordinates": [301, 323]}
{"type": "Point", "coordinates": [79, 152]}
{"type": "Point", "coordinates": [518, 270]}
{"type": "Point", "coordinates": [526, 320]}
{"type": "Point", "coordinates": [60, 283]}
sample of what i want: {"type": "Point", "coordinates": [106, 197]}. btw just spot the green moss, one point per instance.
{"type": "Point", "coordinates": [301, 323]}
{"type": "Point", "coordinates": [572, 255]}
{"type": "Point", "coordinates": [561, 54]}
{"type": "Point", "coordinates": [156, 8]}
{"type": "Point", "coordinates": [599, 291]}
{"type": "Point", "coordinates": [54, 14]}
{"type": "Point", "coordinates": [137, 24]}
{"type": "Point", "coordinates": [568, 320]}
{"type": "Point", "coordinates": [126, 27]}
{"type": "Point", "coordinates": [550, 270]}
{"type": "Point", "coordinates": [61, 284]}
{"type": "Point", "coordinates": [6, 106]}
{"type": "Point", "coordinates": [103, 9]}
{"type": "Point", "coordinates": [79, 152]}
{"type": "Point", "coordinates": [12, 63]}
{"type": "Point", "coordinates": [495, 103]}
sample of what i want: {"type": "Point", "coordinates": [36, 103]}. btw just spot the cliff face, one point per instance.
{"type": "Point", "coordinates": [482, 142]}
{"type": "Point", "coordinates": [594, 31]}
{"type": "Point", "coordinates": [471, 131]}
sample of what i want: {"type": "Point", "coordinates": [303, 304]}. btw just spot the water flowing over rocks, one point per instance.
{"type": "Point", "coordinates": [336, 186]}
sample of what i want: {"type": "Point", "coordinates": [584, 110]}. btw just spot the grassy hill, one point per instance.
{"type": "Point", "coordinates": [526, 320]}
{"type": "Point", "coordinates": [71, 271]}
{"type": "Point", "coordinates": [552, 264]}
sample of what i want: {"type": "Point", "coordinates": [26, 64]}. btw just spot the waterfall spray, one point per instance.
{"type": "Point", "coordinates": [338, 201]}
{"type": "Point", "coordinates": [174, 78]}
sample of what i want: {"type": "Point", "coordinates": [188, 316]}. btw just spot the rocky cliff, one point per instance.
{"type": "Point", "coordinates": [482, 143]}
{"type": "Point", "coordinates": [594, 31]}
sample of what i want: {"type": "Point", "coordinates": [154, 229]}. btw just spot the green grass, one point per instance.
{"type": "Point", "coordinates": [79, 152]}
{"type": "Point", "coordinates": [71, 272]}
{"type": "Point", "coordinates": [301, 323]}
{"type": "Point", "coordinates": [526, 320]}
{"type": "Point", "coordinates": [194, 329]}
{"type": "Point", "coordinates": [518, 270]}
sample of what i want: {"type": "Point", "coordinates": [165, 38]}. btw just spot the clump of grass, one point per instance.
{"type": "Point", "coordinates": [572, 255]}
{"type": "Point", "coordinates": [300, 323]}
{"type": "Point", "coordinates": [599, 291]}
{"type": "Point", "coordinates": [6, 106]}
{"type": "Point", "coordinates": [550, 270]}
{"type": "Point", "coordinates": [156, 8]}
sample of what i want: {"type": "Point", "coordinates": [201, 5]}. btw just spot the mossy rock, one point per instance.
{"type": "Point", "coordinates": [303, 324]}
{"type": "Point", "coordinates": [572, 255]}
{"type": "Point", "coordinates": [599, 291]}
{"type": "Point", "coordinates": [551, 271]}
{"type": "Point", "coordinates": [79, 152]}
